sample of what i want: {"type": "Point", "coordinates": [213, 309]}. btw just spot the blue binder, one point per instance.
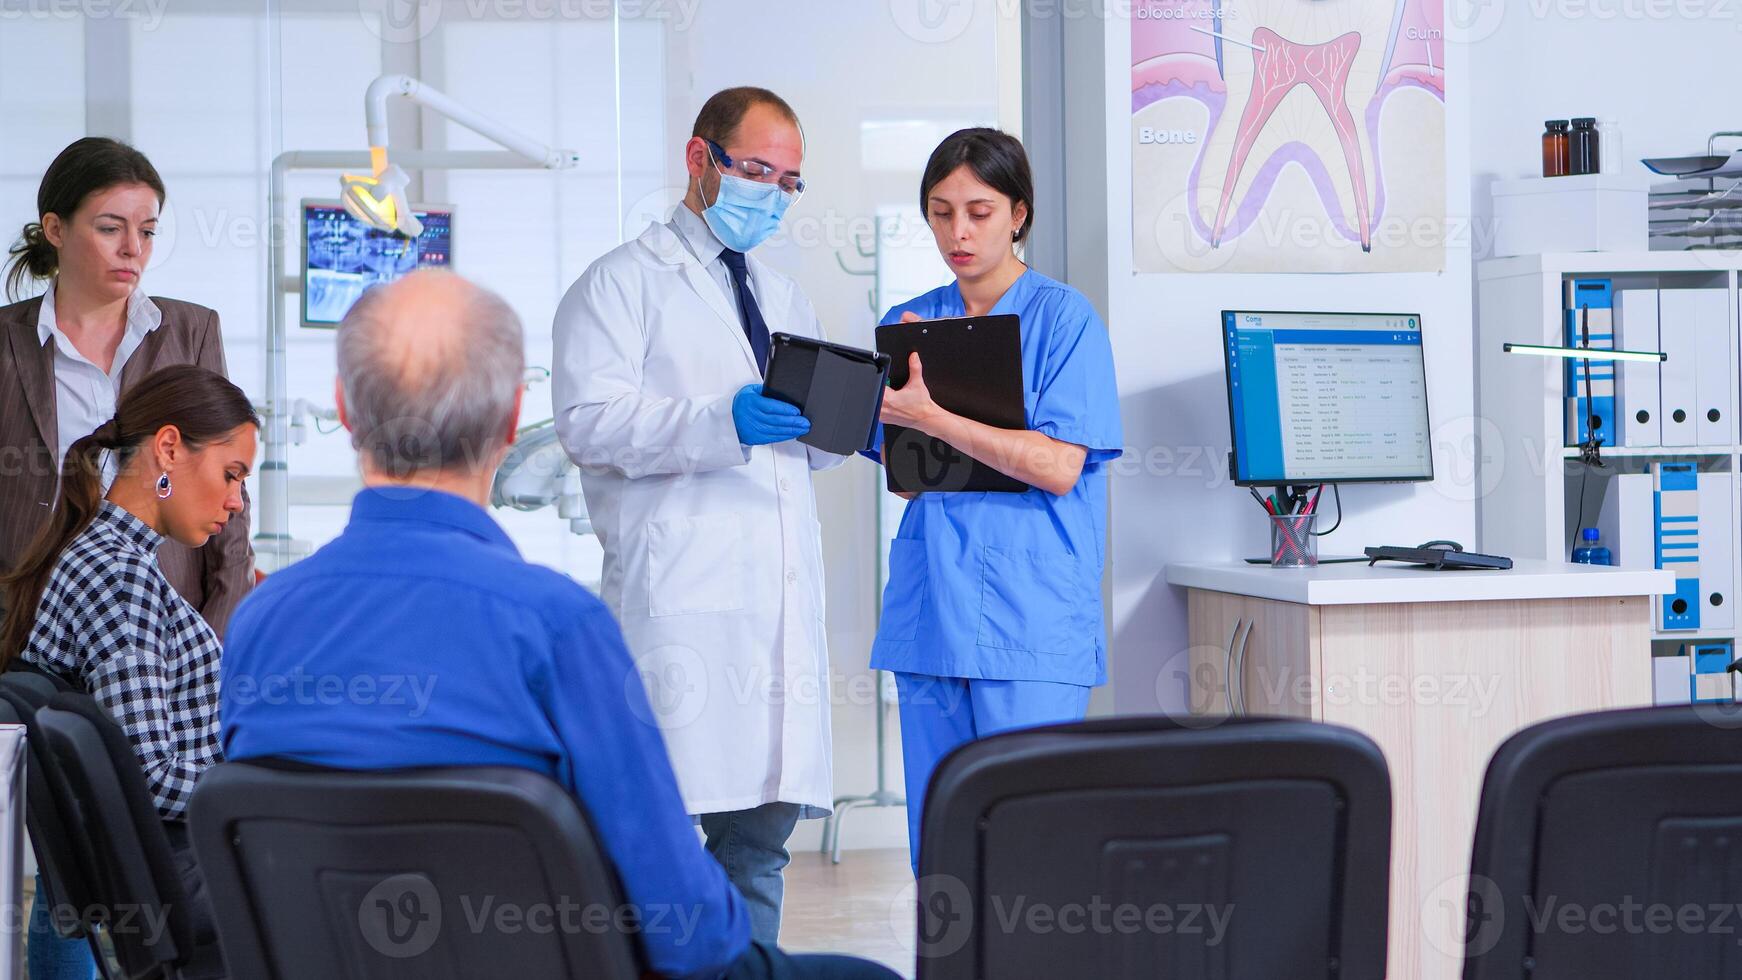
{"type": "Point", "coordinates": [1592, 301]}
{"type": "Point", "coordinates": [1711, 678]}
{"type": "Point", "coordinates": [1676, 518]}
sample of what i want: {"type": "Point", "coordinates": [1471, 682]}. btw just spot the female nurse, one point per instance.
{"type": "Point", "coordinates": [992, 613]}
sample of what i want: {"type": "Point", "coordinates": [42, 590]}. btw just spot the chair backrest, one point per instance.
{"type": "Point", "coordinates": [426, 873]}
{"type": "Point", "coordinates": [33, 684]}
{"type": "Point", "coordinates": [65, 873]}
{"type": "Point", "coordinates": [137, 894]}
{"type": "Point", "coordinates": [39, 675]}
{"type": "Point", "coordinates": [1610, 845]}
{"type": "Point", "coordinates": [1146, 847]}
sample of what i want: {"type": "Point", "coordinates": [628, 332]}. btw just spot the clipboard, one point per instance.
{"type": "Point", "coordinates": [973, 366]}
{"type": "Point", "coordinates": [839, 388]}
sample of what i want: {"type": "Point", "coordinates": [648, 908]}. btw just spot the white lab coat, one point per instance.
{"type": "Point", "coordinates": [713, 554]}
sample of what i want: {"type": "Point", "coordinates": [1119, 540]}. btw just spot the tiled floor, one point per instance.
{"type": "Point", "coordinates": [862, 906]}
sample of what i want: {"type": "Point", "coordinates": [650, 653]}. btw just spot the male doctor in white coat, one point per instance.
{"type": "Point", "coordinates": [702, 498]}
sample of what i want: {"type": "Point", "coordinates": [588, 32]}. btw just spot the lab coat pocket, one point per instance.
{"type": "Point", "coordinates": [904, 596]}
{"type": "Point", "coordinates": [696, 565]}
{"type": "Point", "coordinates": [1030, 601]}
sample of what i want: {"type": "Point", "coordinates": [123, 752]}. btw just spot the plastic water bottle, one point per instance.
{"type": "Point", "coordinates": [1591, 550]}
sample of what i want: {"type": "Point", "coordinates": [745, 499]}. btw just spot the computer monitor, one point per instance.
{"type": "Point", "coordinates": [1326, 398]}
{"type": "Point", "coordinates": [341, 256]}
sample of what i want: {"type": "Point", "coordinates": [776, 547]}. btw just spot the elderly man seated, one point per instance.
{"type": "Point", "coordinates": [505, 663]}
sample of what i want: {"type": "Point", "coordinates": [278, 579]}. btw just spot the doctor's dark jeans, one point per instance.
{"type": "Point", "coordinates": [751, 846]}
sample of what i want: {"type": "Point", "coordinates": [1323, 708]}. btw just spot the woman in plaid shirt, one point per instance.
{"type": "Point", "coordinates": [88, 602]}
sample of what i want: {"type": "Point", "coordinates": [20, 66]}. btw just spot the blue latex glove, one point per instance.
{"type": "Point", "coordinates": [762, 420]}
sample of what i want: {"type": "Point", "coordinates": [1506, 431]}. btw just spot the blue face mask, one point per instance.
{"type": "Point", "coordinates": [745, 212]}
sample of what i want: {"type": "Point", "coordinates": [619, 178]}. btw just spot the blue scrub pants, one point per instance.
{"type": "Point", "coordinates": [940, 713]}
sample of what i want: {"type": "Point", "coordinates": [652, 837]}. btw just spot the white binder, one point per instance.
{"type": "Point", "coordinates": [1627, 522]}
{"type": "Point", "coordinates": [1714, 422]}
{"type": "Point", "coordinates": [1672, 679]}
{"type": "Point", "coordinates": [1717, 576]}
{"type": "Point", "coordinates": [1678, 328]}
{"type": "Point", "coordinates": [1636, 329]}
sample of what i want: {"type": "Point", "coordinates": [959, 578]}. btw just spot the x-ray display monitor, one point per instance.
{"type": "Point", "coordinates": [342, 256]}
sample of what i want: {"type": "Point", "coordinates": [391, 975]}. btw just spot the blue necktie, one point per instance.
{"type": "Point", "coordinates": [755, 327]}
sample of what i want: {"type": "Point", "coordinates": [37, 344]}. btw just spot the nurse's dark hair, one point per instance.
{"type": "Point", "coordinates": [997, 160]}
{"type": "Point", "coordinates": [86, 166]}
{"type": "Point", "coordinates": [724, 110]}
{"type": "Point", "coordinates": [203, 405]}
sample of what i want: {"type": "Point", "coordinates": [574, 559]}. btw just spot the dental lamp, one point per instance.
{"type": "Point", "coordinates": [378, 199]}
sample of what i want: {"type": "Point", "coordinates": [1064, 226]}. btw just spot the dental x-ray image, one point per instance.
{"type": "Point", "coordinates": [342, 256]}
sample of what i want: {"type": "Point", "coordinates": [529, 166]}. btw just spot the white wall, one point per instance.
{"type": "Point", "coordinates": [1171, 499]}
{"type": "Point", "coordinates": [36, 121]}
{"type": "Point", "coordinates": [1665, 71]}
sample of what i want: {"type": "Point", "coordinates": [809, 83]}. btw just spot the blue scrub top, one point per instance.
{"type": "Point", "coordinates": [1007, 586]}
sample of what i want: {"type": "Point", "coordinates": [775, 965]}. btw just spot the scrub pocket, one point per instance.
{"type": "Point", "coordinates": [696, 565]}
{"type": "Point", "coordinates": [1031, 602]}
{"type": "Point", "coordinates": [904, 596]}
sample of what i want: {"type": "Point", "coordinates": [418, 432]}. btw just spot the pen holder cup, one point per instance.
{"type": "Point", "coordinates": [1292, 542]}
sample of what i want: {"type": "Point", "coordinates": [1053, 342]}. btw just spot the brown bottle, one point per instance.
{"type": "Point", "coordinates": [1555, 149]}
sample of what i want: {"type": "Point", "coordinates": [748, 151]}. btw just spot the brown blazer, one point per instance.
{"type": "Point", "coordinates": [213, 579]}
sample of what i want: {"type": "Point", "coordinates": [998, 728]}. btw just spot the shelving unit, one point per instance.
{"type": "Point", "coordinates": [1652, 452]}
{"type": "Point", "coordinates": [1531, 480]}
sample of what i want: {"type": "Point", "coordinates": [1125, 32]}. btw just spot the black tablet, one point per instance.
{"type": "Point", "coordinates": [839, 388]}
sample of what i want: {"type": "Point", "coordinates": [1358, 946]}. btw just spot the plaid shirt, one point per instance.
{"type": "Point", "coordinates": [111, 620]}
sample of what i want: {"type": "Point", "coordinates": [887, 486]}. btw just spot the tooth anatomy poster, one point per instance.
{"type": "Point", "coordinates": [1288, 136]}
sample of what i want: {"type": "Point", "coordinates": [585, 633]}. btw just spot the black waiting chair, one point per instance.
{"type": "Point", "coordinates": [65, 871]}
{"type": "Point", "coordinates": [137, 897]}
{"type": "Point", "coordinates": [1610, 845]}
{"type": "Point", "coordinates": [319, 873]}
{"type": "Point", "coordinates": [1152, 847]}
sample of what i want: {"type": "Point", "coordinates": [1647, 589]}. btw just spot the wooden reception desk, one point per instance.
{"type": "Point", "coordinates": [1438, 668]}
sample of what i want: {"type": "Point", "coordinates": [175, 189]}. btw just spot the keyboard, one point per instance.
{"type": "Point", "coordinates": [1438, 558]}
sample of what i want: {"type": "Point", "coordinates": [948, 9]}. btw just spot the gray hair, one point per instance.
{"type": "Point", "coordinates": [450, 412]}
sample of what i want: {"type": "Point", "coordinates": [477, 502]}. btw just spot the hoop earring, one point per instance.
{"type": "Point", "coordinates": [163, 487]}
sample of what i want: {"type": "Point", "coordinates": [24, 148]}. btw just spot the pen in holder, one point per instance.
{"type": "Point", "coordinates": [1292, 542]}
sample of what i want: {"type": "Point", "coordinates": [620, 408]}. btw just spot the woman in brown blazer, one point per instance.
{"type": "Point", "coordinates": [67, 355]}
